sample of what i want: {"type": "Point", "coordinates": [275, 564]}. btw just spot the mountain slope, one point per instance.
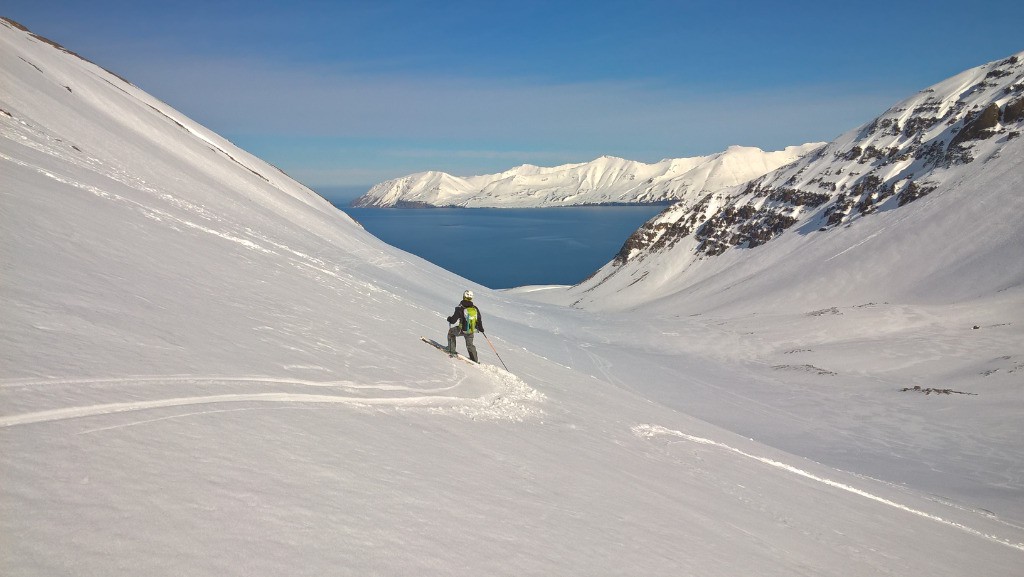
{"type": "Point", "coordinates": [207, 370]}
{"type": "Point", "coordinates": [956, 143]}
{"type": "Point", "coordinates": [605, 180]}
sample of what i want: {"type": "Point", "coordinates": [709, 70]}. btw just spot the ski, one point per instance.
{"type": "Point", "coordinates": [445, 350]}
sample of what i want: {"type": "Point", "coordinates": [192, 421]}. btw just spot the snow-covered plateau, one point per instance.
{"type": "Point", "coordinates": [606, 180]}
{"type": "Point", "coordinates": [206, 369]}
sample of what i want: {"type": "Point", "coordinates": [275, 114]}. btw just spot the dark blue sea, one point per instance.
{"type": "Point", "coordinates": [509, 247]}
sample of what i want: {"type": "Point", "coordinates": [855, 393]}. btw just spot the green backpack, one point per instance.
{"type": "Point", "coordinates": [472, 317]}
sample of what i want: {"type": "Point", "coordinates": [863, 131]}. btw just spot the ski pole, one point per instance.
{"type": "Point", "coordinates": [495, 351]}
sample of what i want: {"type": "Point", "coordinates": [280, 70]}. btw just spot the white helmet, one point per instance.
{"type": "Point", "coordinates": [468, 295]}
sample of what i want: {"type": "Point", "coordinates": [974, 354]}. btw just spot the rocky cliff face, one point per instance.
{"type": "Point", "coordinates": [897, 158]}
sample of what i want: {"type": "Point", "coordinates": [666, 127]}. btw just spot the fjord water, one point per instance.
{"type": "Point", "coordinates": [508, 247]}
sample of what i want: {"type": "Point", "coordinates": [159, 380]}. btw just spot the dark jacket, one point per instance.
{"type": "Point", "coordinates": [460, 316]}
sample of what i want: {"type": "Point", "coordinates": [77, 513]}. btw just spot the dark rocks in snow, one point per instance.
{"type": "Point", "coordinates": [805, 369]}
{"type": "Point", "coordinates": [930, 390]}
{"type": "Point", "coordinates": [852, 154]}
{"type": "Point", "coordinates": [979, 127]}
{"type": "Point", "coordinates": [871, 190]}
{"type": "Point", "coordinates": [656, 234]}
{"type": "Point", "coordinates": [892, 161]}
{"type": "Point", "coordinates": [912, 192]}
{"type": "Point", "coordinates": [918, 124]}
{"type": "Point", "coordinates": [797, 197]}
{"type": "Point", "coordinates": [740, 225]}
{"type": "Point", "coordinates": [1014, 111]}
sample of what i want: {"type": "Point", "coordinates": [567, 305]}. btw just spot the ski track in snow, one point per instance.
{"type": "Point", "coordinates": [167, 418]}
{"type": "Point", "coordinates": [509, 398]}
{"type": "Point", "coordinates": [650, 431]}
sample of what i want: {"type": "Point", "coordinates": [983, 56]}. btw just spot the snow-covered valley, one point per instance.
{"type": "Point", "coordinates": [206, 369]}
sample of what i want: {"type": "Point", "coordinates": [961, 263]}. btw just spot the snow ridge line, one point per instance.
{"type": "Point", "coordinates": [650, 431]}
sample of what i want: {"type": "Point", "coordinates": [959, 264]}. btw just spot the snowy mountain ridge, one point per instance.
{"type": "Point", "coordinates": [928, 143]}
{"type": "Point", "coordinates": [605, 180]}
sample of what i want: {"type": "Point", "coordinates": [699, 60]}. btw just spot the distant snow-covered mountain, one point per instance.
{"type": "Point", "coordinates": [945, 140]}
{"type": "Point", "coordinates": [606, 180]}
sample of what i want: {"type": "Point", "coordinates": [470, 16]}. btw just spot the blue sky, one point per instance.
{"type": "Point", "coordinates": [350, 93]}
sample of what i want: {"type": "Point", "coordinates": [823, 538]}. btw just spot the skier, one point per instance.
{"type": "Point", "coordinates": [468, 321]}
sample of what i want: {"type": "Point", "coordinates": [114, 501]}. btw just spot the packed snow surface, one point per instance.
{"type": "Point", "coordinates": [205, 369]}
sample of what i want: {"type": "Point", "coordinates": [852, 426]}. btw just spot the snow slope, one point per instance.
{"type": "Point", "coordinates": [205, 369]}
{"type": "Point", "coordinates": [605, 180]}
{"type": "Point", "coordinates": [930, 188]}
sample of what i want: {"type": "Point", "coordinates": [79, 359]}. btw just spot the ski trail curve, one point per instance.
{"type": "Point", "coordinates": [505, 397]}
{"type": "Point", "coordinates": [651, 431]}
{"type": "Point", "coordinates": [110, 408]}
{"type": "Point", "coordinates": [216, 380]}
